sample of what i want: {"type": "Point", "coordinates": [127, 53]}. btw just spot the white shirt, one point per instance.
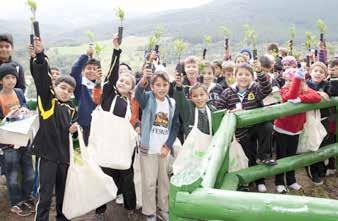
{"type": "Point", "coordinates": [160, 129]}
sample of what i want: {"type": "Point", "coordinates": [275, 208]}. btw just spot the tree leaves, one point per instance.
{"type": "Point", "coordinates": [321, 26]}
{"type": "Point", "coordinates": [250, 35]}
{"type": "Point", "coordinates": [120, 14]}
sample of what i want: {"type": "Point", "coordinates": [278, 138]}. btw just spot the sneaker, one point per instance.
{"type": "Point", "coordinates": [164, 216]}
{"type": "Point", "coordinates": [119, 199]}
{"type": "Point", "coordinates": [151, 218]}
{"type": "Point", "coordinates": [99, 216]}
{"type": "Point", "coordinates": [21, 210]}
{"type": "Point", "coordinates": [281, 189]}
{"type": "Point", "coordinates": [261, 188]}
{"type": "Point", "coordinates": [316, 180]}
{"type": "Point", "coordinates": [30, 204]}
{"type": "Point", "coordinates": [269, 162]}
{"type": "Point", "coordinates": [330, 172]}
{"type": "Point", "coordinates": [295, 186]}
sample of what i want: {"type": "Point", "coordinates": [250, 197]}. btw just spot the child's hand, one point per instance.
{"type": "Point", "coordinates": [38, 47]}
{"type": "Point", "coordinates": [324, 95]}
{"type": "Point", "coordinates": [295, 101]}
{"type": "Point", "coordinates": [116, 44]}
{"type": "Point", "coordinates": [257, 66]}
{"type": "Point", "coordinates": [300, 74]}
{"type": "Point", "coordinates": [90, 51]}
{"type": "Point", "coordinates": [165, 151]}
{"type": "Point", "coordinates": [73, 128]}
{"type": "Point", "coordinates": [178, 80]}
{"type": "Point", "coordinates": [99, 74]}
{"type": "Point", "coordinates": [31, 51]}
{"type": "Point", "coordinates": [146, 75]}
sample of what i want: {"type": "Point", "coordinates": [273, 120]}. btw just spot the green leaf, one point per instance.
{"type": "Point", "coordinates": [158, 33]}
{"type": "Point", "coordinates": [292, 32]}
{"type": "Point", "coordinates": [151, 42]}
{"type": "Point", "coordinates": [179, 46]}
{"type": "Point", "coordinates": [207, 39]}
{"type": "Point", "coordinates": [310, 40]}
{"type": "Point", "coordinates": [226, 31]}
{"type": "Point", "coordinates": [32, 4]}
{"type": "Point", "coordinates": [90, 35]}
{"type": "Point", "coordinates": [321, 26]}
{"type": "Point", "coordinates": [119, 14]}
{"type": "Point", "coordinates": [250, 35]}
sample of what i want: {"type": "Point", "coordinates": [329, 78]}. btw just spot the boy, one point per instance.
{"type": "Point", "coordinates": [247, 94]}
{"type": "Point", "coordinates": [86, 71]}
{"type": "Point", "coordinates": [158, 133]}
{"type": "Point", "coordinates": [51, 144]}
{"type": "Point", "coordinates": [191, 69]}
{"type": "Point", "coordinates": [6, 51]}
{"type": "Point", "coordinates": [17, 162]}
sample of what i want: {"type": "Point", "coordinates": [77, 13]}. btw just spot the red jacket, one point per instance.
{"type": "Point", "coordinates": [295, 123]}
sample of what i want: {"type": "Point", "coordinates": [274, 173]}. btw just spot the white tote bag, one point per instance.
{"type": "Point", "coordinates": [137, 178]}
{"type": "Point", "coordinates": [194, 148]}
{"type": "Point", "coordinates": [312, 134]}
{"type": "Point", "coordinates": [87, 186]}
{"type": "Point", "coordinates": [237, 157]}
{"type": "Point", "coordinates": [112, 139]}
{"type": "Point", "coordinates": [19, 133]}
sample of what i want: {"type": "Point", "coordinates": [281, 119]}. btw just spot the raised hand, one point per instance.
{"type": "Point", "coordinates": [38, 47]}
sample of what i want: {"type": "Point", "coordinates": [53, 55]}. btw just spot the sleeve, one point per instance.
{"type": "Point", "coordinates": [43, 84]}
{"type": "Point", "coordinates": [21, 80]}
{"type": "Point", "coordinates": [141, 95]}
{"type": "Point", "coordinates": [76, 73]}
{"type": "Point", "coordinates": [183, 105]}
{"type": "Point", "coordinates": [310, 96]}
{"type": "Point", "coordinates": [135, 116]}
{"type": "Point", "coordinates": [293, 91]}
{"type": "Point", "coordinates": [223, 101]}
{"type": "Point", "coordinates": [96, 95]}
{"type": "Point", "coordinates": [264, 87]}
{"type": "Point", "coordinates": [322, 55]}
{"type": "Point", "coordinates": [332, 88]}
{"type": "Point", "coordinates": [175, 125]}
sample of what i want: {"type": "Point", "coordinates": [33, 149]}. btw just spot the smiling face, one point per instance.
{"type": "Point", "coordinates": [63, 91]}
{"type": "Point", "coordinates": [90, 72]}
{"type": "Point", "coordinates": [240, 61]}
{"type": "Point", "coordinates": [208, 76]}
{"type": "Point", "coordinates": [317, 74]}
{"type": "Point", "coordinates": [8, 81]}
{"type": "Point", "coordinates": [192, 71]}
{"type": "Point", "coordinates": [199, 97]}
{"type": "Point", "coordinates": [160, 88]}
{"type": "Point", "coordinates": [243, 78]}
{"type": "Point", "coordinates": [124, 84]}
{"type": "Point", "coordinates": [5, 50]}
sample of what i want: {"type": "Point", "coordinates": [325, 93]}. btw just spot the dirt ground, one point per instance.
{"type": "Point", "coordinates": [117, 213]}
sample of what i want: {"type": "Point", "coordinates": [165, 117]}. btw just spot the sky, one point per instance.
{"type": "Point", "coordinates": [80, 9]}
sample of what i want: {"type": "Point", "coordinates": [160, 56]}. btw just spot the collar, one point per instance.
{"type": "Point", "coordinates": [88, 83]}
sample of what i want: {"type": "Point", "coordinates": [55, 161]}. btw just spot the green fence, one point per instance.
{"type": "Point", "coordinates": [212, 195]}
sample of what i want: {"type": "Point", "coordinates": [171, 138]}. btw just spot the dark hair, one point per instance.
{"type": "Point", "coordinates": [198, 85]}
{"type": "Point", "coordinates": [191, 60]}
{"type": "Point", "coordinates": [205, 65]}
{"type": "Point", "coordinates": [333, 63]}
{"type": "Point", "coordinates": [66, 79]}
{"type": "Point", "coordinates": [217, 63]}
{"type": "Point", "coordinates": [159, 74]}
{"type": "Point", "coordinates": [92, 61]}
{"type": "Point", "coordinates": [273, 47]}
{"type": "Point", "coordinates": [7, 37]}
{"type": "Point", "coordinates": [125, 64]}
{"type": "Point", "coordinates": [266, 62]}
{"type": "Point", "coordinates": [246, 67]}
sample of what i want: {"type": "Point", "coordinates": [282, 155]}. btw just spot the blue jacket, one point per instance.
{"type": "Point", "coordinates": [83, 94]}
{"type": "Point", "coordinates": [148, 104]}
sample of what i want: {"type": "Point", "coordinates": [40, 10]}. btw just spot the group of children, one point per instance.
{"type": "Point", "coordinates": [160, 110]}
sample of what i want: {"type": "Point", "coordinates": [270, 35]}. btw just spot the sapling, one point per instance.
{"type": "Point", "coordinates": [179, 47]}
{"type": "Point", "coordinates": [158, 34]}
{"type": "Point", "coordinates": [120, 15]}
{"type": "Point", "coordinates": [310, 40]}
{"type": "Point", "coordinates": [97, 46]}
{"type": "Point", "coordinates": [292, 33]}
{"type": "Point", "coordinates": [226, 33]}
{"type": "Point", "coordinates": [322, 28]}
{"type": "Point", "coordinates": [33, 6]}
{"type": "Point", "coordinates": [251, 37]}
{"type": "Point", "coordinates": [207, 41]}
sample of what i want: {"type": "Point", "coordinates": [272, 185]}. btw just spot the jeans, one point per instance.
{"type": "Point", "coordinates": [35, 192]}
{"type": "Point", "coordinates": [19, 174]}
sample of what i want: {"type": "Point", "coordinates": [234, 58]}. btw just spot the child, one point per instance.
{"type": "Point", "coordinates": [289, 62]}
{"type": "Point", "coordinates": [288, 128]}
{"type": "Point", "coordinates": [318, 72]}
{"type": "Point", "coordinates": [55, 72]}
{"type": "Point", "coordinates": [217, 67]}
{"type": "Point", "coordinates": [51, 144]}
{"type": "Point", "coordinates": [86, 71]}
{"type": "Point", "coordinates": [118, 87]}
{"type": "Point", "coordinates": [6, 51]}
{"type": "Point", "coordinates": [191, 69]}
{"type": "Point", "coordinates": [158, 133]}
{"type": "Point", "coordinates": [247, 94]}
{"type": "Point", "coordinates": [17, 162]}
{"type": "Point", "coordinates": [246, 53]}
{"type": "Point", "coordinates": [240, 60]}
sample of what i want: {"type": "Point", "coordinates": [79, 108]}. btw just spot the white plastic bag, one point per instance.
{"type": "Point", "coordinates": [194, 148]}
{"type": "Point", "coordinates": [20, 132]}
{"type": "Point", "coordinates": [237, 157]}
{"type": "Point", "coordinates": [312, 134]}
{"type": "Point", "coordinates": [87, 186]}
{"type": "Point", "coordinates": [137, 178]}
{"type": "Point", "coordinates": [112, 139]}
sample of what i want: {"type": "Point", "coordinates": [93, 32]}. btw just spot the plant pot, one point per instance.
{"type": "Point", "coordinates": [307, 60]}
{"type": "Point", "coordinates": [31, 38]}
{"type": "Point", "coordinates": [36, 28]}
{"type": "Point", "coordinates": [226, 43]}
{"type": "Point", "coordinates": [254, 54]}
{"type": "Point", "coordinates": [204, 52]}
{"type": "Point", "coordinates": [157, 48]}
{"type": "Point", "coordinates": [321, 37]}
{"type": "Point", "coordinates": [120, 34]}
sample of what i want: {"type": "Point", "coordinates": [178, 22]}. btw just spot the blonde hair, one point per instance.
{"type": "Point", "coordinates": [132, 78]}
{"type": "Point", "coordinates": [321, 65]}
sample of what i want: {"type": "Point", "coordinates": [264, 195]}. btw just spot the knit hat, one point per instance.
{"type": "Point", "coordinates": [289, 74]}
{"type": "Point", "coordinates": [247, 50]}
{"type": "Point", "coordinates": [321, 65]}
{"type": "Point", "coordinates": [290, 61]}
{"type": "Point", "coordinates": [8, 68]}
{"type": "Point", "coordinates": [7, 37]}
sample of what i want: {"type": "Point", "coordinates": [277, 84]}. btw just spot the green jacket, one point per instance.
{"type": "Point", "coordinates": [186, 110]}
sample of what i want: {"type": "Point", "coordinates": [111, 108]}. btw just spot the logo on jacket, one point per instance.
{"type": "Point", "coordinates": [251, 96]}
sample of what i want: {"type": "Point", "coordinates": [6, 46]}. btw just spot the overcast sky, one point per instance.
{"type": "Point", "coordinates": [48, 9]}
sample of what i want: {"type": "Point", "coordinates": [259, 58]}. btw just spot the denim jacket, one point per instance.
{"type": "Point", "coordinates": [148, 104]}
